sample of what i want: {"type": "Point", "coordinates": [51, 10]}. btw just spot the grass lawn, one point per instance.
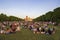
{"type": "Point", "coordinates": [26, 34]}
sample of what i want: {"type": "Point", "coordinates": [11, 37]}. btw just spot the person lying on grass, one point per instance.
{"type": "Point", "coordinates": [13, 28]}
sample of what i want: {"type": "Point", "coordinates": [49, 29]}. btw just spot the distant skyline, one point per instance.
{"type": "Point", "coordinates": [31, 8]}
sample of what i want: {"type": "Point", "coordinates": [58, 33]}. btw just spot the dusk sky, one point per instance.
{"type": "Point", "coordinates": [31, 8]}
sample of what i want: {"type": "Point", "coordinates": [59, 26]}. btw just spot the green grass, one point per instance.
{"type": "Point", "coordinates": [26, 34]}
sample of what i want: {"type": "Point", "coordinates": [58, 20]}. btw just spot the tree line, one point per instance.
{"type": "Point", "coordinates": [4, 17]}
{"type": "Point", "coordinates": [53, 16]}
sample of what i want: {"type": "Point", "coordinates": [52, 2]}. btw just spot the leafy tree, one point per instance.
{"type": "Point", "coordinates": [4, 17]}
{"type": "Point", "coordinates": [53, 16]}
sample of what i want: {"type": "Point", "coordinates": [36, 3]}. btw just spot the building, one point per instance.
{"type": "Point", "coordinates": [28, 18]}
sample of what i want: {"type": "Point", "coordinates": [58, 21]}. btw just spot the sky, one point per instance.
{"type": "Point", "coordinates": [31, 8]}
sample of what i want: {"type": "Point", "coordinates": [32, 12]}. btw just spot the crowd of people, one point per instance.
{"type": "Point", "coordinates": [35, 27]}
{"type": "Point", "coordinates": [9, 27]}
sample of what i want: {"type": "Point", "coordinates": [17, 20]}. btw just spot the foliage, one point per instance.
{"type": "Point", "coordinates": [53, 16]}
{"type": "Point", "coordinates": [4, 17]}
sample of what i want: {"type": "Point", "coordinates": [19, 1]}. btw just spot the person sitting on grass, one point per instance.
{"type": "Point", "coordinates": [51, 31]}
{"type": "Point", "coordinates": [38, 30]}
{"type": "Point", "coordinates": [18, 28]}
{"type": "Point", "coordinates": [31, 27]}
{"type": "Point", "coordinates": [34, 30]}
{"type": "Point", "coordinates": [42, 31]}
{"type": "Point", "coordinates": [2, 31]}
{"type": "Point", "coordinates": [8, 31]}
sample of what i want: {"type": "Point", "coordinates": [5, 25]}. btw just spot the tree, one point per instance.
{"type": "Point", "coordinates": [53, 16]}
{"type": "Point", "coordinates": [4, 17]}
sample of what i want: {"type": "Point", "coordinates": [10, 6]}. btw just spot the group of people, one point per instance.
{"type": "Point", "coordinates": [42, 30]}
{"type": "Point", "coordinates": [12, 28]}
{"type": "Point", "coordinates": [35, 27]}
